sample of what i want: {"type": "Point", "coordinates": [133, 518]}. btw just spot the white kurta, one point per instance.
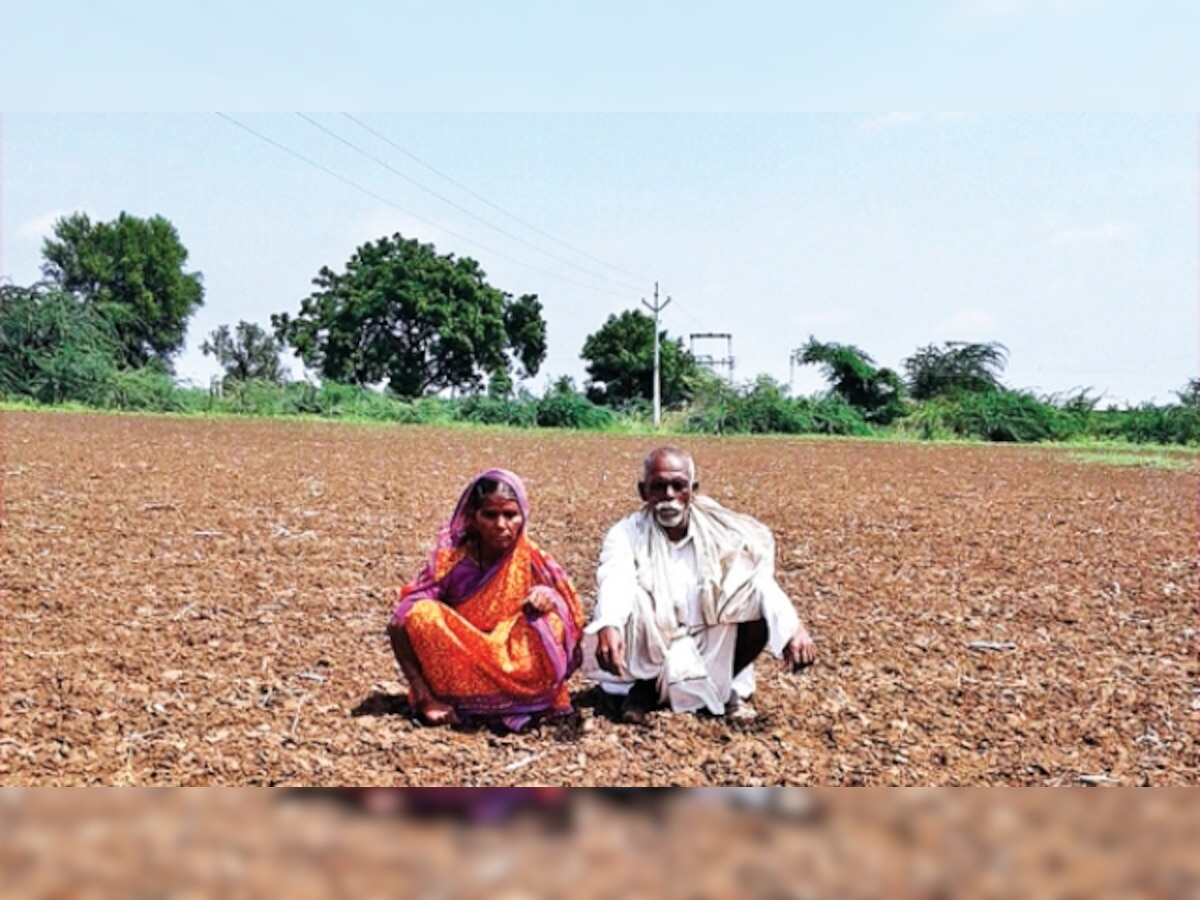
{"type": "Point", "coordinates": [696, 670]}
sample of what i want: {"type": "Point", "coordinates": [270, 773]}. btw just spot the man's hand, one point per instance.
{"type": "Point", "coordinates": [800, 650]}
{"type": "Point", "coordinates": [610, 651]}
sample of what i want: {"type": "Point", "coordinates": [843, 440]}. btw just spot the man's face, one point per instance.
{"type": "Point", "coordinates": [667, 488]}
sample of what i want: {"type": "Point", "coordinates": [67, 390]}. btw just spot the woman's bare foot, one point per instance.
{"type": "Point", "coordinates": [428, 708]}
{"type": "Point", "coordinates": [434, 712]}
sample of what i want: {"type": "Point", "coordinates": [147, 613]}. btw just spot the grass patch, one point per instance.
{"type": "Point", "coordinates": [1134, 458]}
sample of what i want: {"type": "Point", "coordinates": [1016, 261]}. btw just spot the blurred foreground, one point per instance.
{"type": "Point", "coordinates": [794, 842]}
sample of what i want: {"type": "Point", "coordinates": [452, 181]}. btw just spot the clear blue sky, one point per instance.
{"type": "Point", "coordinates": [1071, 238]}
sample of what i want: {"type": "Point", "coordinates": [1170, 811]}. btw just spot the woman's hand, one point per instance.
{"type": "Point", "coordinates": [540, 601]}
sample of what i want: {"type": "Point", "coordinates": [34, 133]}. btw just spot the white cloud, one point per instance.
{"type": "Point", "coordinates": [1095, 234]}
{"type": "Point", "coordinates": [40, 226]}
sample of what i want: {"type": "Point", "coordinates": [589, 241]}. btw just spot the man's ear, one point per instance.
{"type": "Point", "coordinates": [642, 490]}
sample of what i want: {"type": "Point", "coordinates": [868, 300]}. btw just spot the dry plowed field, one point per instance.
{"type": "Point", "coordinates": [191, 602]}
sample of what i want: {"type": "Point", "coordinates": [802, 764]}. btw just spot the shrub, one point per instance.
{"type": "Point", "coordinates": [1147, 424]}
{"type": "Point", "coordinates": [562, 408]}
{"type": "Point", "coordinates": [930, 421]}
{"type": "Point", "coordinates": [257, 398]}
{"type": "Point", "coordinates": [1006, 416]}
{"type": "Point", "coordinates": [144, 390]}
{"type": "Point", "coordinates": [486, 410]}
{"type": "Point", "coordinates": [54, 348]}
{"type": "Point", "coordinates": [833, 415]}
{"type": "Point", "coordinates": [764, 408]}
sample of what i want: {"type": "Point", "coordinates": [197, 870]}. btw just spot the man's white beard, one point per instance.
{"type": "Point", "coordinates": [669, 513]}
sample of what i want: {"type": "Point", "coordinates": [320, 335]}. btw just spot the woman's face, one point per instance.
{"type": "Point", "coordinates": [498, 522]}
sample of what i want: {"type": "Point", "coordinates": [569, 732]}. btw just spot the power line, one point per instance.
{"type": "Point", "coordinates": [691, 315]}
{"type": "Point", "coordinates": [376, 196]}
{"type": "Point", "coordinates": [486, 201]}
{"type": "Point", "coordinates": [357, 149]}
{"type": "Point", "coordinates": [407, 212]}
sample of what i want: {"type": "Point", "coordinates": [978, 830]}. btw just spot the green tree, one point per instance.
{"type": "Point", "coordinates": [131, 271]}
{"type": "Point", "coordinates": [248, 353]}
{"type": "Point", "coordinates": [954, 368]}
{"type": "Point", "coordinates": [851, 373]}
{"type": "Point", "coordinates": [421, 322]}
{"type": "Point", "coordinates": [620, 358]}
{"type": "Point", "coordinates": [1189, 395]}
{"type": "Point", "coordinates": [53, 346]}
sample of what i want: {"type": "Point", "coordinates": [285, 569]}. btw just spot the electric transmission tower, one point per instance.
{"type": "Point", "coordinates": [708, 360]}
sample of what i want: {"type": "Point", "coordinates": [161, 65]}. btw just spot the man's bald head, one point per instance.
{"type": "Point", "coordinates": [669, 454]}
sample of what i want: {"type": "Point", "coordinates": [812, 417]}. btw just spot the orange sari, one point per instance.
{"type": "Point", "coordinates": [479, 649]}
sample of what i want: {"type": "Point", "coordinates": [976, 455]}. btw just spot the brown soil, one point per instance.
{"type": "Point", "coordinates": [203, 603]}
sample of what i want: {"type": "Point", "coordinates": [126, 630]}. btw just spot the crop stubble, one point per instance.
{"type": "Point", "coordinates": [203, 602]}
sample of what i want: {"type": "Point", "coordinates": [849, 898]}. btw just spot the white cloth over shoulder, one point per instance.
{"type": "Point", "coordinates": [678, 604]}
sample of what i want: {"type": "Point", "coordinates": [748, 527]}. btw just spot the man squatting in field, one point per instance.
{"type": "Point", "coordinates": [686, 599]}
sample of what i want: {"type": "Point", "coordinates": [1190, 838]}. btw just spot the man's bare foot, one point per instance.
{"type": "Point", "coordinates": [639, 702]}
{"type": "Point", "coordinates": [739, 709]}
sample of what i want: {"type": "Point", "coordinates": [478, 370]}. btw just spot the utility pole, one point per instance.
{"type": "Point", "coordinates": [656, 309]}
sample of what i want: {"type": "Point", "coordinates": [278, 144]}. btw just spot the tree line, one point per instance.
{"type": "Point", "coordinates": [401, 326]}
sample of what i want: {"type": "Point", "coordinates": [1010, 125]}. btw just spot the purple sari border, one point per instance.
{"type": "Point", "coordinates": [565, 654]}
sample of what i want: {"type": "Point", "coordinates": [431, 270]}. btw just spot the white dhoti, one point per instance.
{"type": "Point", "coordinates": [678, 605]}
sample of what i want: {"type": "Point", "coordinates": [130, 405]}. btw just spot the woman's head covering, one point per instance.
{"type": "Point", "coordinates": [442, 563]}
{"type": "Point", "coordinates": [455, 531]}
